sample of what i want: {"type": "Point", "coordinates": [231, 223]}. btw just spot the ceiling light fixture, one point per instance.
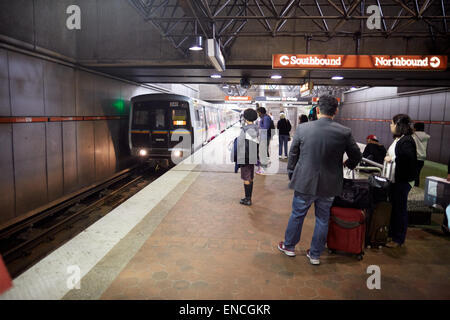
{"type": "Point", "coordinates": [276, 77]}
{"type": "Point", "coordinates": [216, 76]}
{"type": "Point", "coordinates": [198, 44]}
{"type": "Point", "coordinates": [337, 77]}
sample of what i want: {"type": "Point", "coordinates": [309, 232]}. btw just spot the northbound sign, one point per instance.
{"type": "Point", "coordinates": [382, 62]}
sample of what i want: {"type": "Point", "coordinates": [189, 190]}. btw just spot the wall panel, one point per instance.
{"type": "Point", "coordinates": [101, 150]}
{"type": "Point", "coordinates": [26, 77]}
{"type": "Point", "coordinates": [424, 107]}
{"type": "Point", "coordinates": [434, 144]}
{"type": "Point", "coordinates": [7, 194]}
{"type": "Point", "coordinates": [29, 166]}
{"type": "Point", "coordinates": [85, 153]}
{"type": "Point", "coordinates": [59, 90]}
{"type": "Point", "coordinates": [5, 106]}
{"type": "Point", "coordinates": [445, 145]}
{"type": "Point", "coordinates": [437, 106]}
{"type": "Point", "coordinates": [70, 173]}
{"type": "Point", "coordinates": [54, 161]}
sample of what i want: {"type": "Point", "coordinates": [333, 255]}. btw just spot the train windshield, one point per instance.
{"type": "Point", "coordinates": [153, 118]}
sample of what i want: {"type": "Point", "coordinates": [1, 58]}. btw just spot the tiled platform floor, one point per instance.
{"type": "Point", "coordinates": [210, 247]}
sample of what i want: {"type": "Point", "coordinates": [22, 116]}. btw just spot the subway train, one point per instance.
{"type": "Point", "coordinates": [169, 127]}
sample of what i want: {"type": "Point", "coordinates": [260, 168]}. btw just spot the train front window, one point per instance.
{"type": "Point", "coordinates": [141, 117]}
{"type": "Point", "coordinates": [160, 118]}
{"type": "Point", "coordinates": [179, 117]}
{"type": "Point", "coordinates": [148, 117]}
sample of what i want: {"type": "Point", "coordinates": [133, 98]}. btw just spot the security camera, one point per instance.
{"type": "Point", "coordinates": [245, 83]}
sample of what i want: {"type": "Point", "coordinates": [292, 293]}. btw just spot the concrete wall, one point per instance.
{"type": "Point", "coordinates": [370, 111]}
{"type": "Point", "coordinates": [43, 161]}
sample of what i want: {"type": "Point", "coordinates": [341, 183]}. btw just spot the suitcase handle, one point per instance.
{"type": "Point", "coordinates": [345, 224]}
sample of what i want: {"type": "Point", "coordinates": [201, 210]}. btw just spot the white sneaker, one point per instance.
{"type": "Point", "coordinates": [315, 262]}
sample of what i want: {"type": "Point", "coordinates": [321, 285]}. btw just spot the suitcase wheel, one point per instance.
{"type": "Point", "coordinates": [369, 246]}
{"type": "Point", "coordinates": [331, 251]}
{"type": "Point", "coordinates": [359, 257]}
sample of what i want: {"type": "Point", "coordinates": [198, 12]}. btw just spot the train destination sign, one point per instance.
{"type": "Point", "coordinates": [238, 98]}
{"type": "Point", "coordinates": [382, 62]}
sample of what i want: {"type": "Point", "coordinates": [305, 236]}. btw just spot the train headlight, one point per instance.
{"type": "Point", "coordinates": [142, 152]}
{"type": "Point", "coordinates": [178, 153]}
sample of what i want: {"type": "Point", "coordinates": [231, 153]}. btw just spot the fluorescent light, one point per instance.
{"type": "Point", "coordinates": [337, 77]}
{"type": "Point", "coordinates": [216, 76]}
{"type": "Point", "coordinates": [276, 76]}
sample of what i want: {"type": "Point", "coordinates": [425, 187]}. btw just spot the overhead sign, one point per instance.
{"type": "Point", "coordinates": [238, 98]}
{"type": "Point", "coordinates": [215, 55]}
{"type": "Point", "coordinates": [316, 99]}
{"type": "Point", "coordinates": [381, 62]}
{"type": "Point", "coordinates": [275, 99]}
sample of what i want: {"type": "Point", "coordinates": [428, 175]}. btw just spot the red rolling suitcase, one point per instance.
{"type": "Point", "coordinates": [5, 279]}
{"type": "Point", "coordinates": [346, 231]}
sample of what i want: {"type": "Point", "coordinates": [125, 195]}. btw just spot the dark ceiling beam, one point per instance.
{"type": "Point", "coordinates": [198, 21]}
{"type": "Point", "coordinates": [347, 16]}
{"type": "Point", "coordinates": [396, 20]}
{"type": "Point", "coordinates": [337, 8]}
{"type": "Point", "coordinates": [271, 9]}
{"type": "Point", "coordinates": [404, 6]}
{"type": "Point", "coordinates": [357, 17]}
{"type": "Point", "coordinates": [138, 5]}
{"type": "Point", "coordinates": [265, 26]}
{"type": "Point", "coordinates": [227, 43]}
{"type": "Point", "coordinates": [262, 13]}
{"type": "Point", "coordinates": [343, 6]}
{"type": "Point", "coordinates": [222, 7]}
{"type": "Point", "coordinates": [321, 13]}
{"type": "Point", "coordinates": [340, 34]}
{"type": "Point", "coordinates": [443, 13]}
{"type": "Point", "coordinates": [314, 21]}
{"type": "Point", "coordinates": [382, 16]}
{"type": "Point", "coordinates": [425, 6]}
{"type": "Point", "coordinates": [284, 12]}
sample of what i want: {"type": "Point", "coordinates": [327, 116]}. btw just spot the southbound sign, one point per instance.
{"type": "Point", "coordinates": [372, 62]}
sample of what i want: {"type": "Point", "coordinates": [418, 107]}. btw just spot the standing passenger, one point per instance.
{"type": "Point", "coordinates": [421, 139]}
{"type": "Point", "coordinates": [316, 173]}
{"type": "Point", "coordinates": [403, 154]}
{"type": "Point", "coordinates": [284, 128]}
{"type": "Point", "coordinates": [247, 153]}
{"type": "Point", "coordinates": [264, 127]}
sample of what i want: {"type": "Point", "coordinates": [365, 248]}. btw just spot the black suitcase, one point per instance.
{"type": "Point", "coordinates": [380, 212]}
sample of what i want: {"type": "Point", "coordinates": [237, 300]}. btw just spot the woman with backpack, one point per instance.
{"type": "Point", "coordinates": [246, 153]}
{"type": "Point", "coordinates": [284, 128]}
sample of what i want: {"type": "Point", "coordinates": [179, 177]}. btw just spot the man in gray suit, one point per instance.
{"type": "Point", "coordinates": [316, 174]}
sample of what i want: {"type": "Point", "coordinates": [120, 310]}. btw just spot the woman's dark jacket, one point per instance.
{"type": "Point", "coordinates": [405, 160]}
{"type": "Point", "coordinates": [284, 127]}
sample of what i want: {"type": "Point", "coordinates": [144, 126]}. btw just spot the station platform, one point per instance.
{"type": "Point", "coordinates": [185, 236]}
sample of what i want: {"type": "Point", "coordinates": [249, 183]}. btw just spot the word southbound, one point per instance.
{"type": "Point", "coordinates": [305, 61]}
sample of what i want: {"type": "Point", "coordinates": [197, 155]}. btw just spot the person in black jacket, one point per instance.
{"type": "Point", "coordinates": [374, 150]}
{"type": "Point", "coordinates": [284, 127]}
{"type": "Point", "coordinates": [403, 154]}
{"type": "Point", "coordinates": [247, 153]}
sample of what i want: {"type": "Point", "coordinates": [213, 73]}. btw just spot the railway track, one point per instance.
{"type": "Point", "coordinates": [24, 244]}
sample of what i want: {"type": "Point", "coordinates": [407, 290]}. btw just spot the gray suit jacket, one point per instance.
{"type": "Point", "coordinates": [316, 155]}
